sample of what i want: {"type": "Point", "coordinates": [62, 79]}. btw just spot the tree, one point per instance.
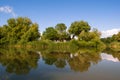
{"type": "Point", "coordinates": [107, 40]}
{"type": "Point", "coordinates": [18, 30]}
{"type": "Point", "coordinates": [116, 37]}
{"type": "Point", "coordinates": [32, 34]}
{"type": "Point", "coordinates": [62, 34]}
{"type": "Point", "coordinates": [11, 22]}
{"type": "Point", "coordinates": [61, 27]}
{"type": "Point", "coordinates": [88, 36]}
{"type": "Point", "coordinates": [90, 39]}
{"type": "Point", "coordinates": [4, 34]}
{"type": "Point", "coordinates": [77, 27]}
{"type": "Point", "coordinates": [50, 33]}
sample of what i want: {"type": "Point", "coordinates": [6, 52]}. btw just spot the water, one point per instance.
{"type": "Point", "coordinates": [84, 64]}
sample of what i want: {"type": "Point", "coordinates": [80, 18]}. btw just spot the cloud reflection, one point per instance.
{"type": "Point", "coordinates": [109, 57]}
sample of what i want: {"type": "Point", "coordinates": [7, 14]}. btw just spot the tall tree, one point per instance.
{"type": "Point", "coordinates": [62, 34]}
{"type": "Point", "coordinates": [61, 27]}
{"type": "Point", "coordinates": [18, 30]}
{"type": "Point", "coordinates": [50, 33]}
{"type": "Point", "coordinates": [32, 34]}
{"type": "Point", "coordinates": [77, 27]}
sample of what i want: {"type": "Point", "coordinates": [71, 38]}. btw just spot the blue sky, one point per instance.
{"type": "Point", "coordinates": [101, 14]}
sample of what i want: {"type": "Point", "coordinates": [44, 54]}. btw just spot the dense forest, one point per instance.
{"type": "Point", "coordinates": [22, 31]}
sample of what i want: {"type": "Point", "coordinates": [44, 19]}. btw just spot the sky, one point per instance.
{"type": "Point", "coordinates": [101, 14]}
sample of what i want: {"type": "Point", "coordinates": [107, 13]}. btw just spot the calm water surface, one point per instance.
{"type": "Point", "coordinates": [22, 64]}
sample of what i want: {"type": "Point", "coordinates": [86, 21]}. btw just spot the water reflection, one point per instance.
{"type": "Point", "coordinates": [79, 61]}
{"type": "Point", "coordinates": [109, 57]}
{"type": "Point", "coordinates": [114, 54]}
{"type": "Point", "coordinates": [21, 61]}
{"type": "Point", "coordinates": [18, 62]}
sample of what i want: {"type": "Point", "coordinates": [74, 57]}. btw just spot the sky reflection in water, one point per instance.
{"type": "Point", "coordinates": [36, 65]}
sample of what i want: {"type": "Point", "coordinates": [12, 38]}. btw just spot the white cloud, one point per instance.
{"type": "Point", "coordinates": [7, 9]}
{"type": "Point", "coordinates": [109, 57]}
{"type": "Point", "coordinates": [109, 33]}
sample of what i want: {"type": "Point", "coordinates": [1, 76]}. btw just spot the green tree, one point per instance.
{"type": "Point", "coordinates": [61, 27]}
{"type": "Point", "coordinates": [50, 33]}
{"type": "Point", "coordinates": [11, 22]}
{"type": "Point", "coordinates": [115, 43]}
{"type": "Point", "coordinates": [77, 27]}
{"type": "Point", "coordinates": [88, 36]}
{"type": "Point", "coordinates": [116, 37]}
{"type": "Point", "coordinates": [90, 39]}
{"type": "Point", "coordinates": [19, 29]}
{"type": "Point", "coordinates": [32, 34]}
{"type": "Point", "coordinates": [62, 34]}
{"type": "Point", "coordinates": [107, 40]}
{"type": "Point", "coordinates": [4, 34]}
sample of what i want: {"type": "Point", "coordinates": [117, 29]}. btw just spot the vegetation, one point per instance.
{"type": "Point", "coordinates": [113, 42]}
{"type": "Point", "coordinates": [19, 30]}
{"type": "Point", "coordinates": [50, 34]}
{"type": "Point", "coordinates": [62, 34]}
{"type": "Point", "coordinates": [22, 31]}
{"type": "Point", "coordinates": [56, 34]}
{"type": "Point", "coordinates": [77, 27]}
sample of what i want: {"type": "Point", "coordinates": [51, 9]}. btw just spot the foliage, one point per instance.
{"type": "Point", "coordinates": [112, 42]}
{"type": "Point", "coordinates": [22, 30]}
{"type": "Point", "coordinates": [90, 39]}
{"type": "Point", "coordinates": [87, 36]}
{"type": "Point", "coordinates": [77, 27]}
{"type": "Point", "coordinates": [107, 40]}
{"type": "Point", "coordinates": [61, 27]}
{"type": "Point", "coordinates": [75, 44]}
{"type": "Point", "coordinates": [32, 34]}
{"type": "Point", "coordinates": [56, 34]}
{"type": "Point", "coordinates": [41, 44]}
{"type": "Point", "coordinates": [116, 37]}
{"type": "Point", "coordinates": [62, 34]}
{"type": "Point", "coordinates": [19, 30]}
{"type": "Point", "coordinates": [50, 33]}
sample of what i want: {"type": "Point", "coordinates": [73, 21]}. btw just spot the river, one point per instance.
{"type": "Point", "coordinates": [84, 64]}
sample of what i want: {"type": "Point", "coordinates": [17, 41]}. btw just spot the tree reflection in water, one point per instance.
{"type": "Point", "coordinates": [19, 61]}
{"type": "Point", "coordinates": [79, 61]}
{"type": "Point", "coordinates": [115, 54]}
{"type": "Point", "coordinates": [25, 64]}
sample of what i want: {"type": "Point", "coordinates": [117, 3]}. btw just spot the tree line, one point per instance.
{"type": "Point", "coordinates": [112, 42]}
{"type": "Point", "coordinates": [23, 30]}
